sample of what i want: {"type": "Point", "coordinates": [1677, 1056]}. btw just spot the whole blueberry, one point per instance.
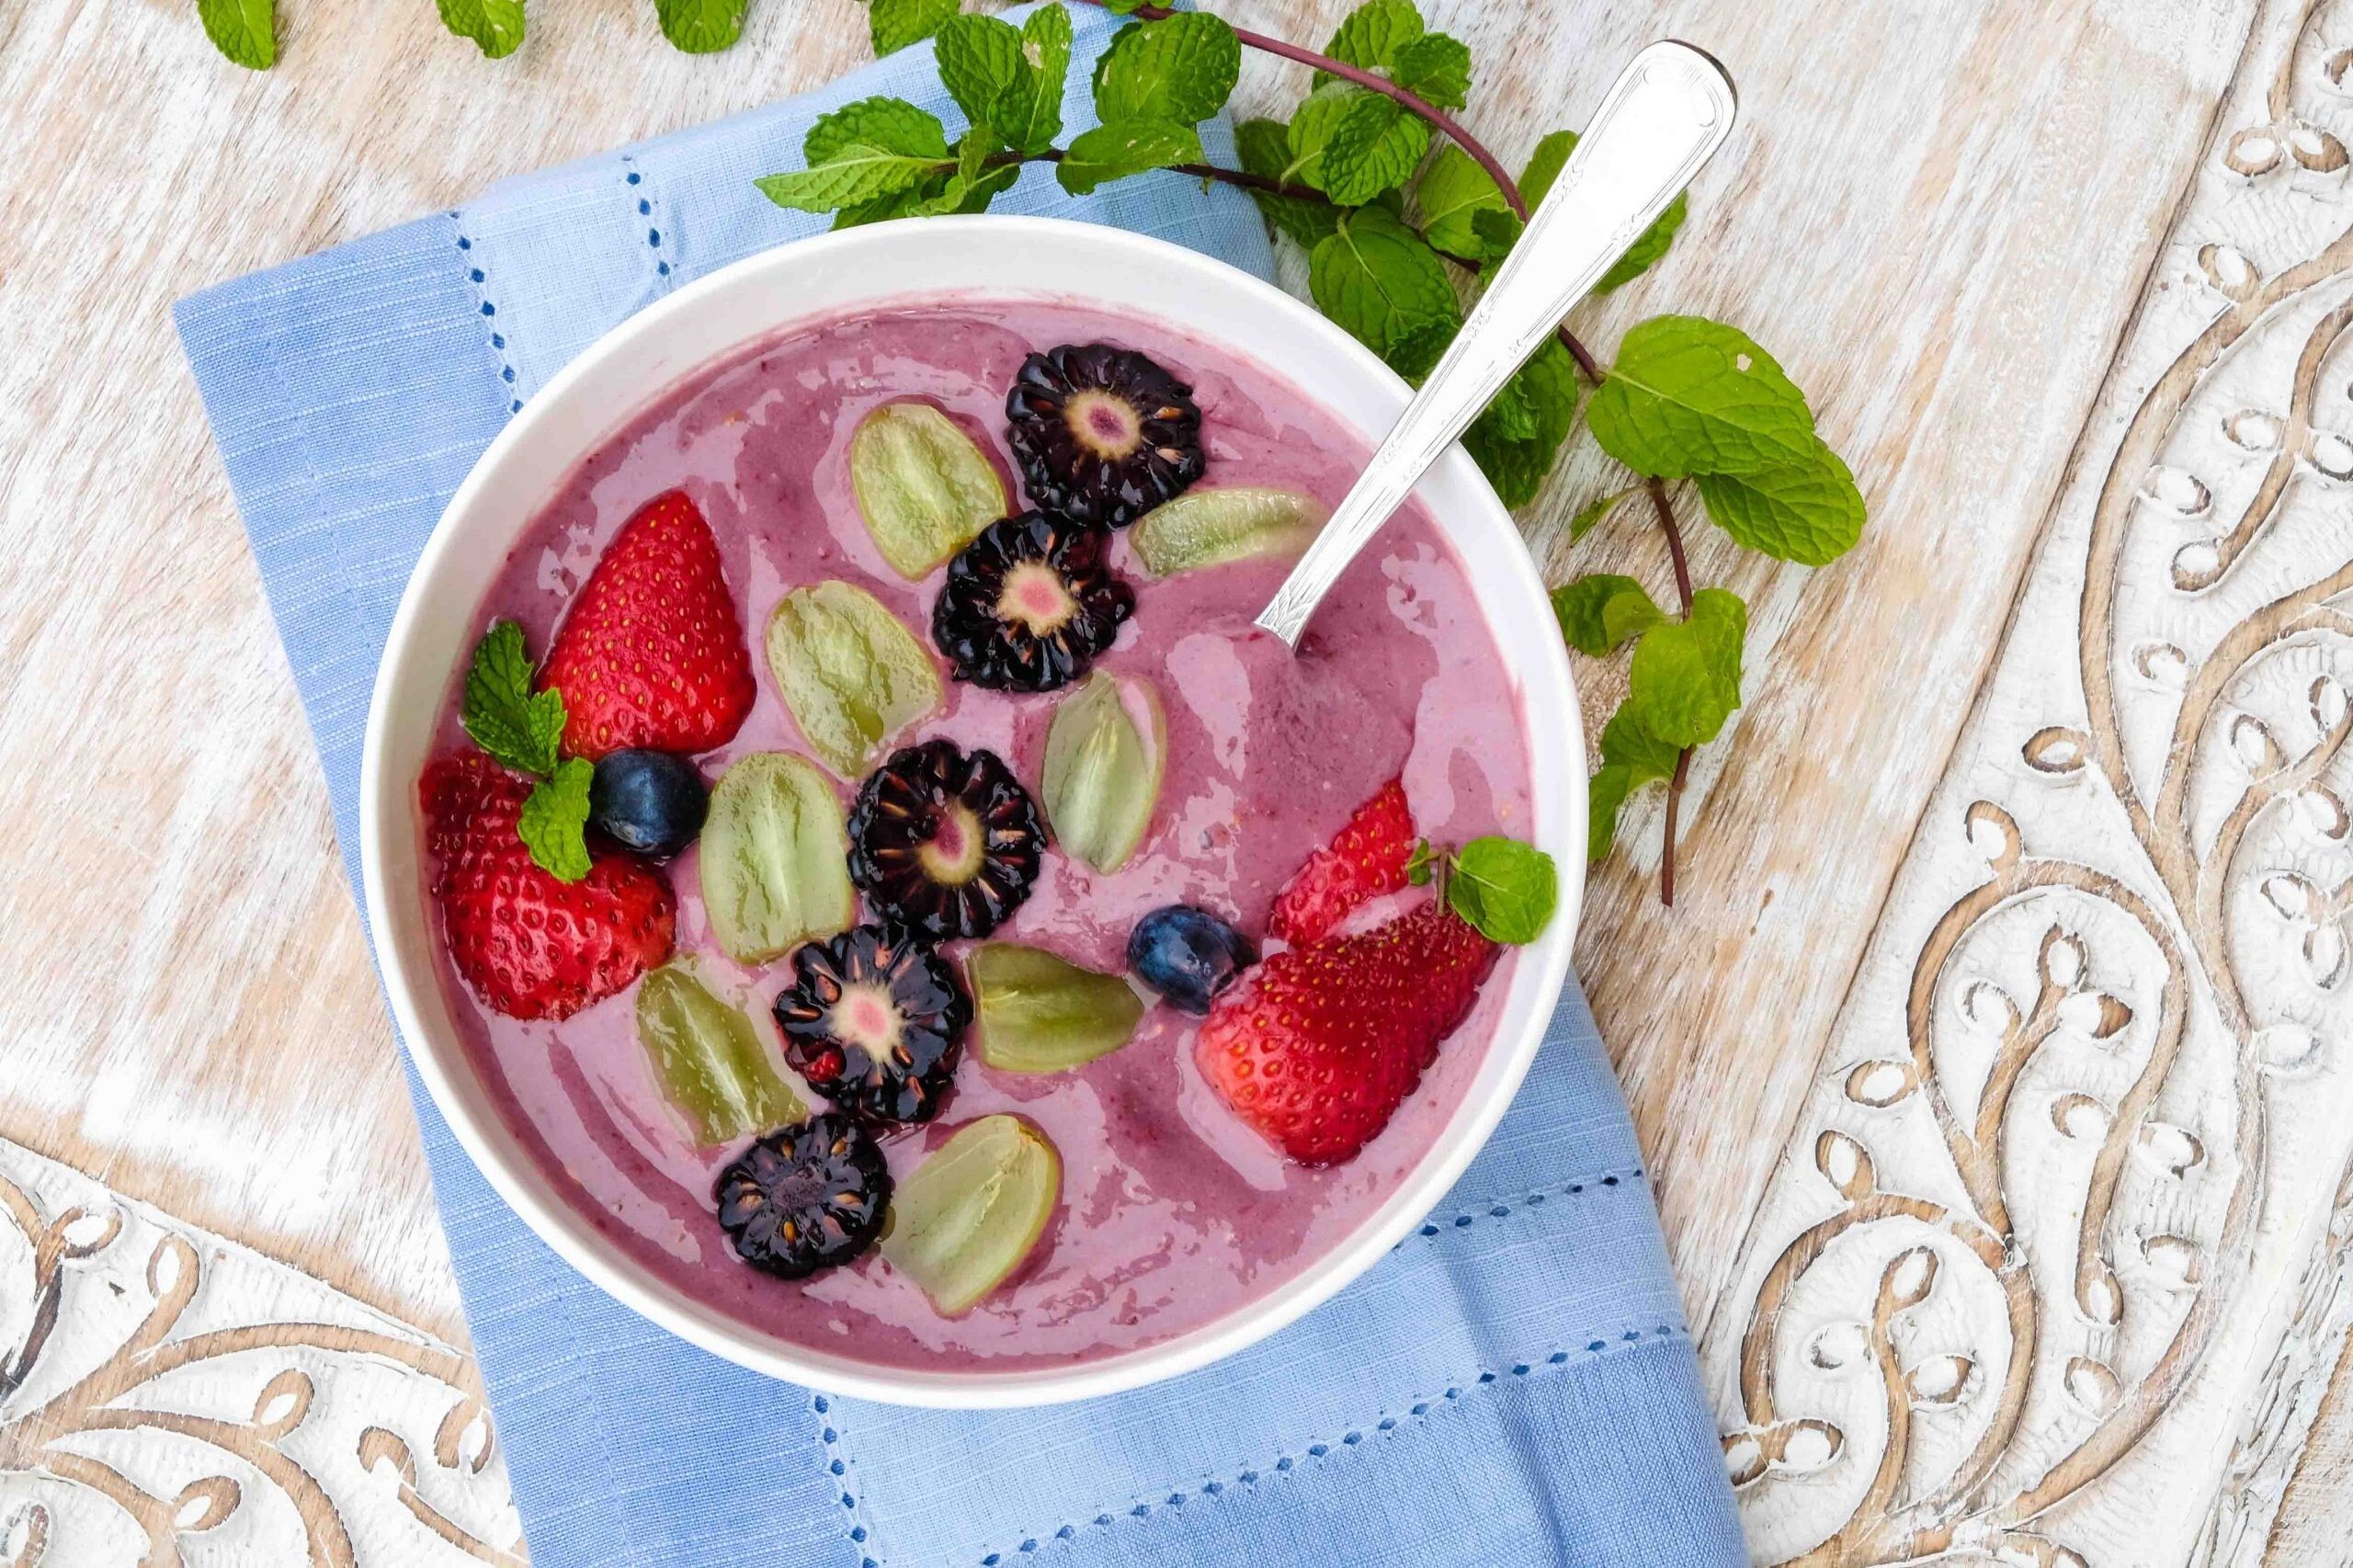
{"type": "Point", "coordinates": [1187, 955]}
{"type": "Point", "coordinates": [650, 802]}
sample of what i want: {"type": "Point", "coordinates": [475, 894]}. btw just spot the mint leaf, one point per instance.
{"type": "Point", "coordinates": [1602, 609]}
{"type": "Point", "coordinates": [980, 61]}
{"type": "Point", "coordinates": [1370, 36]}
{"type": "Point", "coordinates": [893, 124]}
{"type": "Point", "coordinates": [1593, 512]}
{"type": "Point", "coordinates": [1648, 246]}
{"type": "Point", "coordinates": [1685, 681]}
{"type": "Point", "coordinates": [1512, 414]}
{"type": "Point", "coordinates": [857, 173]}
{"type": "Point", "coordinates": [1808, 513]}
{"type": "Point", "coordinates": [1415, 352]}
{"type": "Point", "coordinates": [1376, 279]}
{"type": "Point", "coordinates": [1691, 396]}
{"type": "Point", "coordinates": [891, 25]}
{"type": "Point", "coordinates": [1452, 192]}
{"type": "Point", "coordinates": [1178, 70]}
{"type": "Point", "coordinates": [1518, 467]}
{"type": "Point", "coordinates": [1434, 68]}
{"type": "Point", "coordinates": [1374, 147]}
{"type": "Point", "coordinates": [1504, 888]}
{"type": "Point", "coordinates": [1263, 147]}
{"type": "Point", "coordinates": [1630, 757]}
{"type": "Point", "coordinates": [1115, 152]}
{"type": "Point", "coordinates": [1418, 865]}
{"type": "Point", "coordinates": [1544, 166]}
{"type": "Point", "coordinates": [553, 824]}
{"type": "Point", "coordinates": [520, 728]}
{"type": "Point", "coordinates": [1312, 125]}
{"type": "Point", "coordinates": [898, 204]}
{"type": "Point", "coordinates": [496, 26]}
{"type": "Point", "coordinates": [1498, 230]}
{"type": "Point", "coordinates": [1031, 112]}
{"type": "Point", "coordinates": [702, 27]}
{"type": "Point", "coordinates": [244, 30]}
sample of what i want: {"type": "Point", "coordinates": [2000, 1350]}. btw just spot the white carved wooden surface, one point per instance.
{"type": "Point", "coordinates": [169, 1396]}
{"type": "Point", "coordinates": [2054, 1264]}
{"type": "Point", "coordinates": [2070, 301]}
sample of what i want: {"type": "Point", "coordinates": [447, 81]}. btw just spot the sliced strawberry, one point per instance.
{"type": "Point", "coordinates": [1365, 860]}
{"type": "Point", "coordinates": [530, 946]}
{"type": "Point", "coordinates": [651, 652]}
{"type": "Point", "coordinates": [1319, 1048]}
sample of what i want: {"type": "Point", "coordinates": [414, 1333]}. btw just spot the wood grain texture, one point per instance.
{"type": "Point", "coordinates": [1940, 214]}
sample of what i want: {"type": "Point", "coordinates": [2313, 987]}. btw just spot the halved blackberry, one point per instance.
{"type": "Point", "coordinates": [805, 1197]}
{"type": "Point", "coordinates": [1104, 435]}
{"type": "Point", "coordinates": [946, 842]}
{"type": "Point", "coordinates": [874, 1020]}
{"type": "Point", "coordinates": [1028, 604]}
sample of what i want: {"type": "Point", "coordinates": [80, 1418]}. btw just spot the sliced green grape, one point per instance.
{"type": "Point", "coordinates": [1105, 751]}
{"type": "Point", "coordinates": [1041, 1014]}
{"type": "Point", "coordinates": [924, 488]}
{"type": "Point", "coordinates": [1209, 527]}
{"type": "Point", "coordinates": [852, 675]}
{"type": "Point", "coordinates": [775, 860]}
{"type": "Point", "coordinates": [973, 1209]}
{"type": "Point", "coordinates": [709, 1060]}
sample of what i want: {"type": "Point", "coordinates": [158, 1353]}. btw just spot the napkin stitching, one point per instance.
{"type": "Point", "coordinates": [1386, 1425]}
{"type": "Point", "coordinates": [837, 1466]}
{"type": "Point", "coordinates": [654, 222]}
{"type": "Point", "coordinates": [480, 279]}
{"type": "Point", "coordinates": [1498, 1208]}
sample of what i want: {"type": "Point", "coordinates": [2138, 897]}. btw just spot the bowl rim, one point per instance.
{"type": "Point", "coordinates": [1538, 662]}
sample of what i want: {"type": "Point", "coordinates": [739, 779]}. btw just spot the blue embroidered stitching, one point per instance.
{"type": "Point", "coordinates": [838, 1468]}
{"type": "Point", "coordinates": [645, 210]}
{"type": "Point", "coordinates": [1499, 1210]}
{"type": "Point", "coordinates": [1286, 1463]}
{"type": "Point", "coordinates": [490, 312]}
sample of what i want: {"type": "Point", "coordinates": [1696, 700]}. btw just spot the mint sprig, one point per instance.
{"type": "Point", "coordinates": [702, 27]}
{"type": "Point", "coordinates": [495, 26]}
{"type": "Point", "coordinates": [244, 30]}
{"type": "Point", "coordinates": [523, 730]}
{"type": "Point", "coordinates": [1505, 889]}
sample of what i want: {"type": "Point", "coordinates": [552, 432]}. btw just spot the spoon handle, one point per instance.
{"type": "Point", "coordinates": [1662, 118]}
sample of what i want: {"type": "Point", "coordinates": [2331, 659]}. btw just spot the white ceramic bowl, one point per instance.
{"type": "Point", "coordinates": [643, 357]}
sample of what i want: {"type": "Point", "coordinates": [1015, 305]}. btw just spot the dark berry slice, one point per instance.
{"type": "Point", "coordinates": [650, 802]}
{"type": "Point", "coordinates": [1189, 955]}
{"type": "Point", "coordinates": [805, 1197]}
{"type": "Point", "coordinates": [945, 842]}
{"type": "Point", "coordinates": [1029, 604]}
{"type": "Point", "coordinates": [874, 1020]}
{"type": "Point", "coordinates": [1103, 435]}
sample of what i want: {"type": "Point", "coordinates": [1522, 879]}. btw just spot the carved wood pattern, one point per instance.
{"type": "Point", "coordinates": [168, 1396]}
{"type": "Point", "coordinates": [2070, 1193]}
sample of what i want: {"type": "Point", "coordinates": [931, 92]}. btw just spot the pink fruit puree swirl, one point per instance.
{"type": "Point", "coordinates": [1173, 1212]}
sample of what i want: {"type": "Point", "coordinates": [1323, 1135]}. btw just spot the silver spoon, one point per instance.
{"type": "Point", "coordinates": [1662, 118]}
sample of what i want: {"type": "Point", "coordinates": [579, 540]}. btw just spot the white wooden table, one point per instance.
{"type": "Point", "coordinates": [1993, 1071]}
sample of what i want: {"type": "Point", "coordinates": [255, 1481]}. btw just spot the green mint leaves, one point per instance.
{"type": "Point", "coordinates": [863, 152]}
{"type": "Point", "coordinates": [520, 728]}
{"type": "Point", "coordinates": [892, 25]}
{"type": "Point", "coordinates": [554, 823]}
{"type": "Point", "coordinates": [1692, 396]}
{"type": "Point", "coordinates": [1685, 675]}
{"type": "Point", "coordinates": [1007, 79]}
{"type": "Point", "coordinates": [1507, 889]}
{"type": "Point", "coordinates": [1377, 277]}
{"type": "Point", "coordinates": [1807, 512]}
{"type": "Point", "coordinates": [495, 26]}
{"type": "Point", "coordinates": [1600, 611]}
{"type": "Point", "coordinates": [523, 730]}
{"type": "Point", "coordinates": [1177, 70]}
{"type": "Point", "coordinates": [1115, 152]}
{"type": "Point", "coordinates": [244, 30]}
{"type": "Point", "coordinates": [1630, 757]}
{"type": "Point", "coordinates": [702, 27]}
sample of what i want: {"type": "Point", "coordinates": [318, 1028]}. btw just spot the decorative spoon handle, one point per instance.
{"type": "Point", "coordinates": [1663, 118]}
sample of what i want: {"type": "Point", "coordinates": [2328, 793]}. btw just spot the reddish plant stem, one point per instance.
{"type": "Point", "coordinates": [1241, 177]}
{"type": "Point", "coordinates": [1667, 525]}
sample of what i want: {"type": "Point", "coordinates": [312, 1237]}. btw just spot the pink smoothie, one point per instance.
{"type": "Point", "coordinates": [1173, 1212]}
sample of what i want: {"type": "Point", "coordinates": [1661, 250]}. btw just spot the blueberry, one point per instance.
{"type": "Point", "coordinates": [1187, 955]}
{"type": "Point", "coordinates": [650, 802]}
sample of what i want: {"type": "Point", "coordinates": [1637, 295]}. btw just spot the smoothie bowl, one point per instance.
{"type": "Point", "coordinates": [855, 880]}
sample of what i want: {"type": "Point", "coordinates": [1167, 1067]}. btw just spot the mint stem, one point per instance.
{"type": "Point", "coordinates": [1657, 488]}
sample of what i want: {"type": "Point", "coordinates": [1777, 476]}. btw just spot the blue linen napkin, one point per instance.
{"type": "Point", "coordinates": [1512, 1386]}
